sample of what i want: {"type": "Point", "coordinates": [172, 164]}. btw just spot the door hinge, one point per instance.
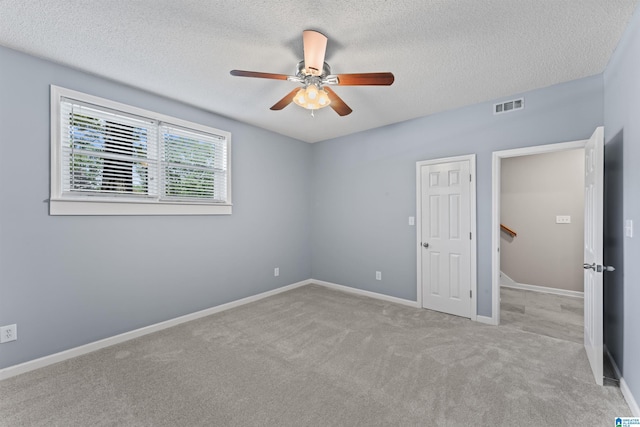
{"type": "Point", "coordinates": [469, 177]}
{"type": "Point", "coordinates": [470, 294]}
{"type": "Point", "coordinates": [470, 238]}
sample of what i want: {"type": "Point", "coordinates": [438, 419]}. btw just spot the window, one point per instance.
{"type": "Point", "coordinates": [112, 159]}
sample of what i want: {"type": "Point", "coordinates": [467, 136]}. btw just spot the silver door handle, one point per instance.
{"type": "Point", "coordinates": [598, 268]}
{"type": "Point", "coordinates": [426, 245]}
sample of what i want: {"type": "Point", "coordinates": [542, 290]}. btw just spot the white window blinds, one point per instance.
{"type": "Point", "coordinates": [193, 164]}
{"type": "Point", "coordinates": [109, 152]}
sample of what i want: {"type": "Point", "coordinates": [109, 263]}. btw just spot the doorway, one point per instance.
{"type": "Point", "coordinates": [593, 243]}
{"type": "Point", "coordinates": [541, 254]}
{"type": "Point", "coordinates": [496, 206]}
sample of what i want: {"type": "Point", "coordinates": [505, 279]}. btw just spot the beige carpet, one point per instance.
{"type": "Point", "coordinates": [317, 357]}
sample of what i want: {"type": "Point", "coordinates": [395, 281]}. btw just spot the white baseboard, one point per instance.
{"type": "Point", "coordinates": [383, 297]}
{"type": "Point", "coordinates": [544, 289]}
{"type": "Point", "coordinates": [624, 387]}
{"type": "Point", "coordinates": [369, 294]}
{"type": "Point", "coordinates": [487, 320]}
{"type": "Point", "coordinates": [41, 362]}
{"type": "Point", "coordinates": [506, 280]}
{"type": "Point", "coordinates": [613, 362]}
{"type": "Point", "coordinates": [628, 396]}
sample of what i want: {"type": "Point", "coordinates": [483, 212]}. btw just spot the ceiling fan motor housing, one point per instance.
{"type": "Point", "coordinates": [302, 71]}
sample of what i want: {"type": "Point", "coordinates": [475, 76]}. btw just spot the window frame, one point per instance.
{"type": "Point", "coordinates": [82, 204]}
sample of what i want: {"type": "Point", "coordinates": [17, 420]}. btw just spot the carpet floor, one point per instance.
{"type": "Point", "coordinates": [319, 357]}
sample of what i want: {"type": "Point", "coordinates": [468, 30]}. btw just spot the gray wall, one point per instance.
{"type": "Point", "coordinates": [622, 129]}
{"type": "Point", "coordinates": [67, 281]}
{"type": "Point", "coordinates": [534, 189]}
{"type": "Point", "coordinates": [364, 184]}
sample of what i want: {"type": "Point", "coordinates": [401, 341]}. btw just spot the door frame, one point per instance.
{"type": "Point", "coordinates": [495, 206]}
{"type": "Point", "coordinates": [472, 213]}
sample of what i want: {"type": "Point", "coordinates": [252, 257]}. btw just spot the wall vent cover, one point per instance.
{"type": "Point", "coordinates": [508, 106]}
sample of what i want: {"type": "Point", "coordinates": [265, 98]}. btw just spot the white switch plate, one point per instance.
{"type": "Point", "coordinates": [378, 275]}
{"type": "Point", "coordinates": [628, 228]}
{"type": "Point", "coordinates": [563, 219]}
{"type": "Point", "coordinates": [412, 220]}
{"type": "Point", "coordinates": [276, 272]}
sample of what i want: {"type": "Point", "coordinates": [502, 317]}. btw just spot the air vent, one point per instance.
{"type": "Point", "coordinates": [508, 106]}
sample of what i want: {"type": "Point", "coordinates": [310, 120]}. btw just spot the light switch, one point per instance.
{"type": "Point", "coordinates": [628, 228]}
{"type": "Point", "coordinates": [563, 219]}
{"type": "Point", "coordinates": [412, 220]}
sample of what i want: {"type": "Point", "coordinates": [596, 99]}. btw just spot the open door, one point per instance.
{"type": "Point", "coordinates": [593, 258]}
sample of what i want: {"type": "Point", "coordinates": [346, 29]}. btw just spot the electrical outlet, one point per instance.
{"type": "Point", "coordinates": [563, 219]}
{"type": "Point", "coordinates": [276, 272]}
{"type": "Point", "coordinates": [378, 275]}
{"type": "Point", "coordinates": [8, 333]}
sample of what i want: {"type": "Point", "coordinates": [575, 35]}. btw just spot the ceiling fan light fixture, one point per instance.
{"type": "Point", "coordinates": [312, 92]}
{"type": "Point", "coordinates": [312, 98]}
{"type": "Point", "coordinates": [323, 100]}
{"type": "Point", "coordinates": [300, 98]}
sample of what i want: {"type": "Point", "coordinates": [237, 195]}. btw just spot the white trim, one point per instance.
{"type": "Point", "coordinates": [624, 387]}
{"type": "Point", "coordinates": [507, 281]}
{"type": "Point", "coordinates": [486, 319]}
{"type": "Point", "coordinates": [544, 289]}
{"type": "Point", "coordinates": [41, 362]}
{"type": "Point", "coordinates": [474, 239]}
{"type": "Point", "coordinates": [495, 209]}
{"type": "Point", "coordinates": [418, 236]}
{"type": "Point", "coordinates": [628, 396]}
{"type": "Point", "coordinates": [495, 238]}
{"type": "Point", "coordinates": [119, 207]}
{"type": "Point", "coordinates": [613, 362]}
{"type": "Point", "coordinates": [350, 290]}
{"type": "Point", "coordinates": [473, 228]}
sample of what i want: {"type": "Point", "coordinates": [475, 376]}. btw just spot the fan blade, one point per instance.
{"type": "Point", "coordinates": [365, 79]}
{"type": "Point", "coordinates": [242, 73]}
{"type": "Point", "coordinates": [288, 99]}
{"type": "Point", "coordinates": [337, 103]}
{"type": "Point", "coordinates": [314, 46]}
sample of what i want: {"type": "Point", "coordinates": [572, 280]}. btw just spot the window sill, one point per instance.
{"type": "Point", "coordinates": [90, 207]}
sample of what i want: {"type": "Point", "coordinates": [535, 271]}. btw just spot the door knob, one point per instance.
{"type": "Point", "coordinates": [598, 268]}
{"type": "Point", "coordinates": [426, 245]}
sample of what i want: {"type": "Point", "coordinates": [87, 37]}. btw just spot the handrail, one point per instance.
{"type": "Point", "coordinates": [508, 230]}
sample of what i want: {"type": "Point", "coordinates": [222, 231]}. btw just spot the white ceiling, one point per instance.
{"type": "Point", "coordinates": [444, 53]}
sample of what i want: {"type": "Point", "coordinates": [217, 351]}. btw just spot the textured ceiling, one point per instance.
{"type": "Point", "coordinates": [444, 53]}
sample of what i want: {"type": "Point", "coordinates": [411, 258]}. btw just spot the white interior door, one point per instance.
{"type": "Point", "coordinates": [593, 269]}
{"type": "Point", "coordinates": [446, 237]}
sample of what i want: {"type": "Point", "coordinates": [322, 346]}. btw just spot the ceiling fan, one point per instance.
{"type": "Point", "coordinates": [315, 76]}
